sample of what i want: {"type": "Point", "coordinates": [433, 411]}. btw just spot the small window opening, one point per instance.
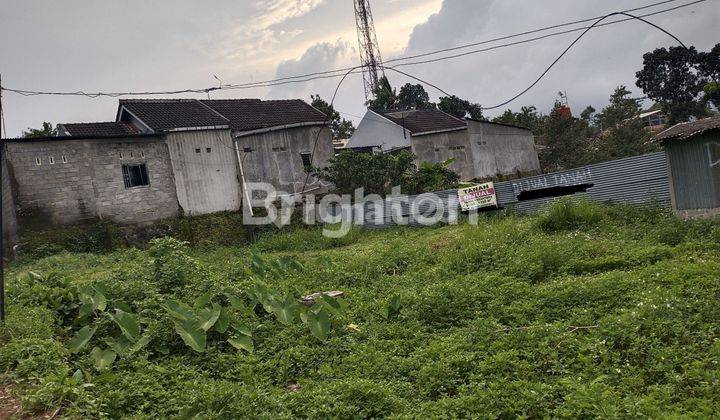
{"type": "Point", "coordinates": [456, 147]}
{"type": "Point", "coordinates": [247, 150]}
{"type": "Point", "coordinates": [121, 155]}
{"type": "Point", "coordinates": [64, 159]}
{"type": "Point", "coordinates": [131, 154]}
{"type": "Point", "coordinates": [552, 192]}
{"type": "Point", "coordinates": [197, 150]}
{"type": "Point", "coordinates": [38, 161]}
{"type": "Point", "coordinates": [135, 175]}
{"type": "Point", "coordinates": [306, 160]}
{"type": "Point", "coordinates": [142, 153]}
{"type": "Point", "coordinates": [51, 159]}
{"type": "Point", "coordinates": [208, 150]}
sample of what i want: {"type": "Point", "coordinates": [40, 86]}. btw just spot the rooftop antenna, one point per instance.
{"type": "Point", "coordinates": [369, 50]}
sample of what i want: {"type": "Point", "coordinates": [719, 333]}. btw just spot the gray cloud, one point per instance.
{"type": "Point", "coordinates": [605, 58]}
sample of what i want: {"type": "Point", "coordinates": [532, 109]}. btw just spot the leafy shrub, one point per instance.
{"type": "Point", "coordinates": [568, 214]}
{"type": "Point", "coordinates": [434, 177]}
{"type": "Point", "coordinates": [377, 173]}
{"type": "Point", "coordinates": [173, 267]}
{"type": "Point", "coordinates": [32, 357]}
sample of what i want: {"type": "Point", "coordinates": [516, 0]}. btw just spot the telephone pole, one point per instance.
{"type": "Point", "coordinates": [369, 50]}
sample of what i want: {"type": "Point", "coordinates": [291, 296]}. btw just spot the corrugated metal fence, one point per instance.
{"type": "Point", "coordinates": [634, 180]}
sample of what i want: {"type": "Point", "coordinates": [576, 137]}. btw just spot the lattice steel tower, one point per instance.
{"type": "Point", "coordinates": [369, 51]}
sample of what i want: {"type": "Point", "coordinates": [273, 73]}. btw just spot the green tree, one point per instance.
{"type": "Point", "coordinates": [621, 132]}
{"type": "Point", "coordinates": [671, 77]}
{"type": "Point", "coordinates": [528, 117]}
{"type": "Point", "coordinates": [414, 97]}
{"type": "Point", "coordinates": [622, 108]}
{"type": "Point", "coordinates": [588, 113]}
{"type": "Point", "coordinates": [385, 97]}
{"type": "Point", "coordinates": [709, 65]}
{"type": "Point", "coordinates": [566, 142]}
{"type": "Point", "coordinates": [47, 130]}
{"type": "Point", "coordinates": [340, 127]}
{"type": "Point", "coordinates": [378, 173]}
{"type": "Point", "coordinates": [460, 108]}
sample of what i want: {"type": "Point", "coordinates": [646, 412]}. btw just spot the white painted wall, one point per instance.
{"type": "Point", "coordinates": [206, 182]}
{"type": "Point", "coordinates": [376, 130]}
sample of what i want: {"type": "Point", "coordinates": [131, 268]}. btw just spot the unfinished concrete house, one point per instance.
{"type": "Point", "coordinates": [163, 157]}
{"type": "Point", "coordinates": [480, 149]}
{"type": "Point", "coordinates": [99, 174]}
{"type": "Point", "coordinates": [276, 141]}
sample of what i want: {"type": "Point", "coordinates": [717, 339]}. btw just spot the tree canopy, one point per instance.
{"type": "Point", "coordinates": [676, 76]}
{"type": "Point", "coordinates": [339, 127]}
{"type": "Point", "coordinates": [47, 130]}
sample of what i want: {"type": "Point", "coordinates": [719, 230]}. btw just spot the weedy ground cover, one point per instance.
{"type": "Point", "coordinates": [583, 310]}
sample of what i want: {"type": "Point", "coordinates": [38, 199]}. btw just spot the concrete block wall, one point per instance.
{"type": "Point", "coordinates": [9, 221]}
{"type": "Point", "coordinates": [439, 147]}
{"type": "Point", "coordinates": [275, 157]}
{"type": "Point", "coordinates": [70, 181]}
{"type": "Point", "coordinates": [502, 150]}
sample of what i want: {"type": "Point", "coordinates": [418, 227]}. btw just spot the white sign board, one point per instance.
{"type": "Point", "coordinates": [477, 196]}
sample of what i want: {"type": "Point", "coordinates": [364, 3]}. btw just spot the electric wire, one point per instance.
{"type": "Point", "coordinates": [339, 72]}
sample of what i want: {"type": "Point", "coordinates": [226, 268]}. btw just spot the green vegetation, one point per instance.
{"type": "Point", "coordinates": [379, 173]}
{"type": "Point", "coordinates": [583, 310]}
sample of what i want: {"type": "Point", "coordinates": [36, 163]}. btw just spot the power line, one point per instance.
{"type": "Point", "coordinates": [339, 72]}
{"type": "Point", "coordinates": [553, 34]}
{"type": "Point", "coordinates": [569, 47]}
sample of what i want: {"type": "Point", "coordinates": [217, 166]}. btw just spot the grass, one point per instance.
{"type": "Point", "coordinates": [584, 310]}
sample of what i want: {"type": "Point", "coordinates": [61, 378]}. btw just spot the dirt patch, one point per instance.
{"type": "Point", "coordinates": [11, 407]}
{"type": "Point", "coordinates": [9, 404]}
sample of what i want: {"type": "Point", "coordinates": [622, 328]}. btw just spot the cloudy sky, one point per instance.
{"type": "Point", "coordinates": [138, 45]}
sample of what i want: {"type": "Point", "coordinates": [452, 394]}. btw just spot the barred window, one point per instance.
{"type": "Point", "coordinates": [135, 175]}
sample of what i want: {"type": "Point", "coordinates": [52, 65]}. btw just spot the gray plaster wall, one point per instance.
{"type": "Point", "coordinates": [502, 150]}
{"type": "Point", "coordinates": [275, 157]}
{"type": "Point", "coordinates": [9, 221]}
{"type": "Point", "coordinates": [439, 147]}
{"type": "Point", "coordinates": [85, 181]}
{"type": "Point", "coordinates": [206, 171]}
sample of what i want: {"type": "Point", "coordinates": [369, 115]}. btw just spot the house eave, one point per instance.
{"type": "Point", "coordinates": [425, 133]}
{"type": "Point", "coordinates": [279, 127]}
{"type": "Point", "coordinates": [208, 127]}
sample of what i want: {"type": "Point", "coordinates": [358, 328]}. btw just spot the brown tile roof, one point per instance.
{"type": "Point", "coordinates": [425, 121]}
{"type": "Point", "coordinates": [254, 114]}
{"type": "Point", "coordinates": [686, 130]}
{"type": "Point", "coordinates": [169, 114]}
{"type": "Point", "coordinates": [101, 129]}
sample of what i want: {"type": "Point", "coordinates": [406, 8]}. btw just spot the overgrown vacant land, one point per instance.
{"type": "Point", "coordinates": [581, 311]}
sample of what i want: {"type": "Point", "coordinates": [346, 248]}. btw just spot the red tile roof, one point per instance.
{"type": "Point", "coordinates": [101, 129]}
{"type": "Point", "coordinates": [425, 121]}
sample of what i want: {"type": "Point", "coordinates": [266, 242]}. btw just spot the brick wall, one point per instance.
{"type": "Point", "coordinates": [69, 181]}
